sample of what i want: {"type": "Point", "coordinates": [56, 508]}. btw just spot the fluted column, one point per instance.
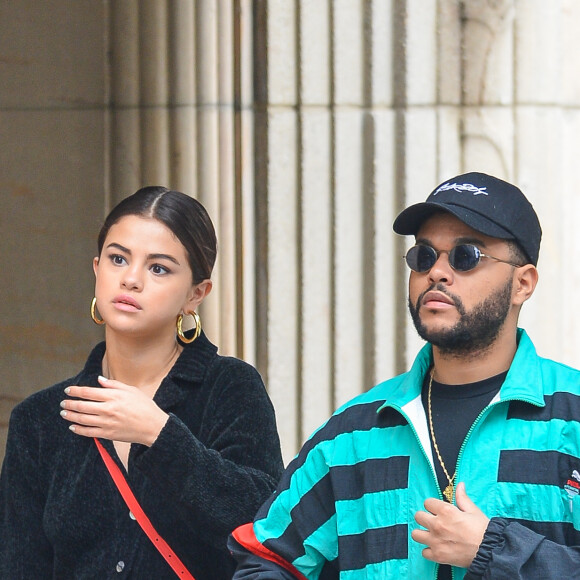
{"type": "Point", "coordinates": [325, 174]}
{"type": "Point", "coordinates": [182, 113]}
{"type": "Point", "coordinates": [246, 266]}
{"type": "Point", "coordinates": [124, 141]}
{"type": "Point", "coordinates": [304, 126]}
{"type": "Point", "coordinates": [172, 123]}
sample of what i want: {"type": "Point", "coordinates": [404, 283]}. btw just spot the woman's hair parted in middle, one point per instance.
{"type": "Point", "coordinates": [183, 215]}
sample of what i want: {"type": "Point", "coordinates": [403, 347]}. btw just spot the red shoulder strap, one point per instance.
{"type": "Point", "coordinates": [141, 517]}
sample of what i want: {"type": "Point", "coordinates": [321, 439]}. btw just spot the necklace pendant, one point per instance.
{"type": "Point", "coordinates": [448, 493]}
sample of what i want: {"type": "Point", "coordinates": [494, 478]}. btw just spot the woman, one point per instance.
{"type": "Point", "coordinates": [193, 432]}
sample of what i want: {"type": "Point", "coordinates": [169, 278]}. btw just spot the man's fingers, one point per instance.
{"type": "Point", "coordinates": [424, 519]}
{"type": "Point", "coordinates": [435, 506]}
{"type": "Point", "coordinates": [462, 500]}
{"type": "Point", "coordinates": [420, 536]}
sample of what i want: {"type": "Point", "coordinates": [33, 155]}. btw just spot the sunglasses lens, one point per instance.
{"type": "Point", "coordinates": [421, 258]}
{"type": "Point", "coordinates": [464, 257]}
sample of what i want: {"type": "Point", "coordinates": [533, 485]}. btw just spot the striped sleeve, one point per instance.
{"type": "Point", "coordinates": [256, 561]}
{"type": "Point", "coordinates": [299, 522]}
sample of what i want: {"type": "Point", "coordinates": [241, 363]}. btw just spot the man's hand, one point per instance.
{"type": "Point", "coordinates": [118, 411]}
{"type": "Point", "coordinates": [452, 534]}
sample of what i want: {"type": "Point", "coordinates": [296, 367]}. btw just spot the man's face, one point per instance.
{"type": "Point", "coordinates": [460, 312]}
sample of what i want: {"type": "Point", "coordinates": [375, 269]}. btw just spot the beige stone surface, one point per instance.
{"type": "Point", "coordinates": [450, 55]}
{"type": "Point", "coordinates": [304, 127]}
{"type": "Point", "coordinates": [567, 59]}
{"type": "Point", "coordinates": [52, 206]}
{"type": "Point", "coordinates": [487, 33]}
{"type": "Point", "coordinates": [282, 277]}
{"type": "Point", "coordinates": [449, 142]}
{"type": "Point", "coordinates": [316, 262]}
{"type": "Point", "coordinates": [386, 262]}
{"type": "Point", "coordinates": [281, 52]}
{"type": "Point", "coordinates": [379, 37]}
{"type": "Point", "coordinates": [348, 53]}
{"type": "Point", "coordinates": [563, 184]}
{"type": "Point", "coordinates": [488, 140]}
{"type": "Point", "coordinates": [349, 257]}
{"type": "Point", "coordinates": [314, 65]}
{"type": "Point", "coordinates": [538, 70]}
{"type": "Point", "coordinates": [52, 54]}
{"type": "Point", "coordinates": [539, 134]}
{"type": "Point", "coordinates": [52, 128]}
{"type": "Point", "coordinates": [421, 52]}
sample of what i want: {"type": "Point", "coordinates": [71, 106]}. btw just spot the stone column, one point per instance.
{"type": "Point", "coordinates": [173, 103]}
{"type": "Point", "coordinates": [324, 180]}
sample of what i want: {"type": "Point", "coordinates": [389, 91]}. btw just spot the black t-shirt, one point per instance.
{"type": "Point", "coordinates": [454, 409]}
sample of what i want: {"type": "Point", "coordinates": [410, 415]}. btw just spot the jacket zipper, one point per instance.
{"type": "Point", "coordinates": [483, 412]}
{"type": "Point", "coordinates": [410, 423]}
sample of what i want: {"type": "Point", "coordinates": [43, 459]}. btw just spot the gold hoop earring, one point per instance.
{"type": "Point", "coordinates": [94, 316]}
{"type": "Point", "coordinates": [196, 332]}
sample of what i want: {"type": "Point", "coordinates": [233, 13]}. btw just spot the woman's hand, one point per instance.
{"type": "Point", "coordinates": [118, 412]}
{"type": "Point", "coordinates": [453, 534]}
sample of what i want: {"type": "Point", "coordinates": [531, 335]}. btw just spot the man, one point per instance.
{"type": "Point", "coordinates": [381, 490]}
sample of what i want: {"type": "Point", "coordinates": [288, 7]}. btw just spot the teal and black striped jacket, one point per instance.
{"type": "Point", "coordinates": [345, 505]}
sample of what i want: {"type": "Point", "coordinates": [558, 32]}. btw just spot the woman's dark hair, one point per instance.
{"type": "Point", "coordinates": [182, 214]}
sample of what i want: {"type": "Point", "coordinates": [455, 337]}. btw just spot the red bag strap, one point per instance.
{"type": "Point", "coordinates": [141, 517]}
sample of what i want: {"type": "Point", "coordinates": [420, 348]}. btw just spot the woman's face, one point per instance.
{"type": "Point", "coordinates": [143, 278]}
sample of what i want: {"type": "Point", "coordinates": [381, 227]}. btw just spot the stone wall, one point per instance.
{"type": "Point", "coordinates": [304, 126]}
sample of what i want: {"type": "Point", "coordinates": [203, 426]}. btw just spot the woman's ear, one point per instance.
{"type": "Point", "coordinates": [95, 265]}
{"type": "Point", "coordinates": [526, 278]}
{"type": "Point", "coordinates": [197, 296]}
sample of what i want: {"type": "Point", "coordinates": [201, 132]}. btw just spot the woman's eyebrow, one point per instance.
{"type": "Point", "coordinates": [150, 257]}
{"type": "Point", "coordinates": [119, 247]}
{"type": "Point", "coordinates": [163, 257]}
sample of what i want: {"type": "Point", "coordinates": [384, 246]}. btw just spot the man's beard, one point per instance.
{"type": "Point", "coordinates": [475, 331]}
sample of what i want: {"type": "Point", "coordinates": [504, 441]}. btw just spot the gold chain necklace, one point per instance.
{"type": "Point", "coordinates": [448, 491]}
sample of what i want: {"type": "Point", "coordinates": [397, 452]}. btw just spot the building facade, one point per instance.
{"type": "Point", "coordinates": [304, 126]}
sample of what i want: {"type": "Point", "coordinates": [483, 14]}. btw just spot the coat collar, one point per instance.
{"type": "Point", "coordinates": [523, 381]}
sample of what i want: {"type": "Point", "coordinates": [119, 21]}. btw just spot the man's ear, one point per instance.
{"type": "Point", "coordinates": [197, 296]}
{"type": "Point", "coordinates": [525, 280]}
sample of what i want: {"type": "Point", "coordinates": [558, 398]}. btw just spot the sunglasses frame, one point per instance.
{"type": "Point", "coordinates": [450, 253]}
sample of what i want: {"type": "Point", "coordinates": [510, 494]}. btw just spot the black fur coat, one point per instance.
{"type": "Point", "coordinates": [214, 463]}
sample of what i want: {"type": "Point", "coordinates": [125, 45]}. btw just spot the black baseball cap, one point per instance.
{"type": "Point", "coordinates": [485, 203]}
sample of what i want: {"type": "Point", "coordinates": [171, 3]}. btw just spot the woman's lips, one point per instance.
{"type": "Point", "coordinates": [126, 303]}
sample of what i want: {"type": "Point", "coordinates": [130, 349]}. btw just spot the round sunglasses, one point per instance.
{"type": "Point", "coordinates": [464, 257]}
